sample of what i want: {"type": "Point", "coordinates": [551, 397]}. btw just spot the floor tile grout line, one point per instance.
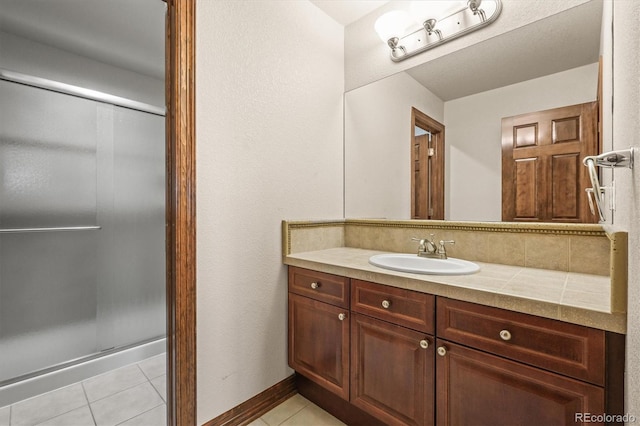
{"type": "Point", "coordinates": [157, 391]}
{"type": "Point", "coordinates": [143, 373]}
{"type": "Point", "coordinates": [122, 390]}
{"type": "Point", "coordinates": [139, 414]}
{"type": "Point", "coordinates": [88, 403]}
{"type": "Point", "coordinates": [146, 375]}
{"type": "Point", "coordinates": [301, 408]}
{"type": "Point", "coordinates": [52, 417]}
{"type": "Point", "coordinates": [61, 414]}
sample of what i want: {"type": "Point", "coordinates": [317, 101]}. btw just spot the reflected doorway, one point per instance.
{"type": "Point", "coordinates": [427, 167]}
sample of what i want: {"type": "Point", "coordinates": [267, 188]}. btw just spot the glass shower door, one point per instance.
{"type": "Point", "coordinates": [47, 274]}
{"type": "Point", "coordinates": [82, 213]}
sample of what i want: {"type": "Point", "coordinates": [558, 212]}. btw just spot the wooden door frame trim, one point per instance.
{"type": "Point", "coordinates": [180, 213]}
{"type": "Point", "coordinates": [420, 119]}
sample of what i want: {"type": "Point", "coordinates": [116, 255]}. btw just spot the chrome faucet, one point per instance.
{"type": "Point", "coordinates": [427, 247]}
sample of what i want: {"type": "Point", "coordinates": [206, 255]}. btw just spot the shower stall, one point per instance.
{"type": "Point", "coordinates": [82, 233]}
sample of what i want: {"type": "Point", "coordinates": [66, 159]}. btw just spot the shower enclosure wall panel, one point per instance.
{"type": "Point", "coordinates": [66, 295]}
{"type": "Point", "coordinates": [131, 290]}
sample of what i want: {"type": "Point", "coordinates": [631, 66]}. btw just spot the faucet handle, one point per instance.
{"type": "Point", "coordinates": [441, 248]}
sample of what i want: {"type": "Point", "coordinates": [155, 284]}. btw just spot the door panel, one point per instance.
{"type": "Point", "coordinates": [403, 394]}
{"type": "Point", "coordinates": [565, 186]}
{"type": "Point", "coordinates": [469, 382]}
{"type": "Point", "coordinates": [527, 191]}
{"type": "Point", "coordinates": [554, 189]}
{"type": "Point", "coordinates": [319, 343]}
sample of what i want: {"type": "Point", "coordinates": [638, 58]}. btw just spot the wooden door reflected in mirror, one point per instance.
{"type": "Point", "coordinates": [427, 167]}
{"type": "Point", "coordinates": [543, 179]}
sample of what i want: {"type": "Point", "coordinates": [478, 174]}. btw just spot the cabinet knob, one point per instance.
{"type": "Point", "coordinates": [424, 344]}
{"type": "Point", "coordinates": [342, 316]}
{"type": "Point", "coordinates": [505, 335]}
{"type": "Point", "coordinates": [442, 351]}
{"type": "Point", "coordinates": [386, 304]}
{"type": "Point", "coordinates": [315, 285]}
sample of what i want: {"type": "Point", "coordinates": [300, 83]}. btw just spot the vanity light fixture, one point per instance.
{"type": "Point", "coordinates": [389, 26]}
{"type": "Point", "coordinates": [474, 5]}
{"type": "Point", "coordinates": [430, 27]}
{"type": "Point", "coordinates": [454, 19]}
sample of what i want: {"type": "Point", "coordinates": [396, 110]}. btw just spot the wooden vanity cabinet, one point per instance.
{"type": "Point", "coordinates": [403, 357]}
{"type": "Point", "coordinates": [319, 331]}
{"type": "Point", "coordinates": [392, 366]}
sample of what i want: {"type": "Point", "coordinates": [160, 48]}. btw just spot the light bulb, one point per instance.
{"type": "Point", "coordinates": [393, 24]}
{"type": "Point", "coordinates": [436, 9]}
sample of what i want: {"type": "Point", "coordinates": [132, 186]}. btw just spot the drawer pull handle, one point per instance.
{"type": "Point", "coordinates": [442, 351]}
{"type": "Point", "coordinates": [386, 304]}
{"type": "Point", "coordinates": [505, 335]}
{"type": "Point", "coordinates": [424, 344]}
{"type": "Point", "coordinates": [342, 316]}
{"type": "Point", "coordinates": [315, 285]}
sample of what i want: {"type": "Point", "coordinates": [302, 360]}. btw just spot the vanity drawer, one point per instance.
{"type": "Point", "coordinates": [327, 288]}
{"type": "Point", "coordinates": [569, 349]}
{"type": "Point", "coordinates": [407, 308]}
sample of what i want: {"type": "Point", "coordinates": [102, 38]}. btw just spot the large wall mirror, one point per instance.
{"type": "Point", "coordinates": [550, 63]}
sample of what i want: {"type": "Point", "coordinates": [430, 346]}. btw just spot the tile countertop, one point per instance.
{"type": "Point", "coordinates": [571, 297]}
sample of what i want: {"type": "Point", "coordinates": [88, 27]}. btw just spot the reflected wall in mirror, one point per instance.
{"type": "Point", "coordinates": [548, 64]}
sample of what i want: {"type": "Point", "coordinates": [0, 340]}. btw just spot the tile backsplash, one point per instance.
{"type": "Point", "coordinates": [581, 248]}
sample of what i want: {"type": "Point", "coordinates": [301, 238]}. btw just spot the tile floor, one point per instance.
{"type": "Point", "coordinates": [297, 411]}
{"type": "Point", "coordinates": [135, 395]}
{"type": "Point", "coordinates": [129, 396]}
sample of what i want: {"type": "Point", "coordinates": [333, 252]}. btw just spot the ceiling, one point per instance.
{"type": "Point", "coordinates": [348, 11]}
{"type": "Point", "coordinates": [124, 33]}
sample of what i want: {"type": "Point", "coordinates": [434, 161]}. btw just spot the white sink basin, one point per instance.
{"type": "Point", "coordinates": [423, 265]}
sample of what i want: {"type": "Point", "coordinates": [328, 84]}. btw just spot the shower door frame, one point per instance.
{"type": "Point", "coordinates": [181, 213]}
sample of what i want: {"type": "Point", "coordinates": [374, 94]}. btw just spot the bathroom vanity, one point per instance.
{"type": "Point", "coordinates": [372, 345]}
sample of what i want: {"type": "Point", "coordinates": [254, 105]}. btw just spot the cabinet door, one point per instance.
{"type": "Point", "coordinates": [319, 343]}
{"type": "Point", "coordinates": [392, 375]}
{"type": "Point", "coordinates": [476, 388]}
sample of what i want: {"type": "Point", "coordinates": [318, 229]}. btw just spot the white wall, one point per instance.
{"type": "Point", "coordinates": [269, 147]}
{"type": "Point", "coordinates": [28, 57]}
{"type": "Point", "coordinates": [367, 58]}
{"type": "Point", "coordinates": [473, 131]}
{"type": "Point", "coordinates": [377, 130]}
{"type": "Point", "coordinates": [626, 133]}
